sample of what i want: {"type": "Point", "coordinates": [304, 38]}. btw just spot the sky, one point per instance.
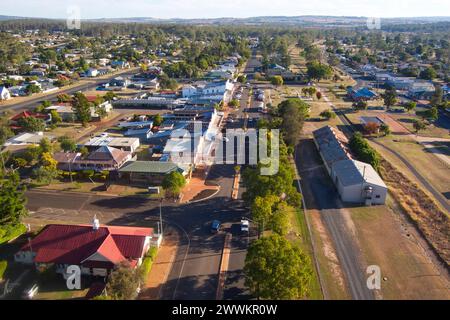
{"type": "Point", "coordinates": [90, 9]}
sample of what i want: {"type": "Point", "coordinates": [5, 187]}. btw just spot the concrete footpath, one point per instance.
{"type": "Point", "coordinates": [161, 268]}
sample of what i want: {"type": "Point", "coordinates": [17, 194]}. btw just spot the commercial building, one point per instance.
{"type": "Point", "coordinates": [355, 181]}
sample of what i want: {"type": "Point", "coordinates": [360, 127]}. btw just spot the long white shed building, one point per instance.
{"type": "Point", "coordinates": [356, 181]}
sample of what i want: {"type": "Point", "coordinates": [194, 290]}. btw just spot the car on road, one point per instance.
{"type": "Point", "coordinates": [30, 292]}
{"type": "Point", "coordinates": [215, 226]}
{"type": "Point", "coordinates": [245, 225]}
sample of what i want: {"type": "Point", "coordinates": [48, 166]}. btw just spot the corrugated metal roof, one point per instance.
{"type": "Point", "coordinates": [157, 167]}
{"type": "Point", "coordinates": [332, 145]}
{"type": "Point", "coordinates": [73, 244]}
{"type": "Point", "coordinates": [352, 172]}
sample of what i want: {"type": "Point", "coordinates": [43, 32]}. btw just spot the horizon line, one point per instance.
{"type": "Point", "coordinates": [231, 17]}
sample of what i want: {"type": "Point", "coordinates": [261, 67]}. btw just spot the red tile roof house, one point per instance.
{"type": "Point", "coordinates": [27, 114]}
{"type": "Point", "coordinates": [95, 249]}
{"type": "Point", "coordinates": [104, 158]}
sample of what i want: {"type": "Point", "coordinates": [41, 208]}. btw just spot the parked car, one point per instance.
{"type": "Point", "coordinates": [215, 226]}
{"type": "Point", "coordinates": [30, 292]}
{"type": "Point", "coordinates": [245, 225]}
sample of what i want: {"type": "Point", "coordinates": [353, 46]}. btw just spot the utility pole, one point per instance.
{"type": "Point", "coordinates": [70, 169]}
{"type": "Point", "coordinates": [160, 212]}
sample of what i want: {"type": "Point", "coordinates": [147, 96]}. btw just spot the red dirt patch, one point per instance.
{"type": "Point", "coordinates": [394, 125]}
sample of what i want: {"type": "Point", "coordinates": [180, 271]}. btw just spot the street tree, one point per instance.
{"type": "Point", "coordinates": [409, 106]}
{"type": "Point", "coordinates": [45, 145]}
{"type": "Point", "coordinates": [436, 99]}
{"type": "Point", "coordinates": [157, 120]}
{"type": "Point", "coordinates": [385, 129]}
{"type": "Point", "coordinates": [67, 144]}
{"type": "Point", "coordinates": [173, 183]}
{"type": "Point", "coordinates": [276, 80]}
{"type": "Point", "coordinates": [277, 270]}
{"type": "Point", "coordinates": [328, 114]}
{"type": "Point", "coordinates": [12, 200]}
{"type": "Point", "coordinates": [419, 125]}
{"type": "Point", "coordinates": [81, 108]}
{"type": "Point", "coordinates": [318, 95]}
{"type": "Point", "coordinates": [318, 71]}
{"type": "Point", "coordinates": [428, 74]}
{"type": "Point", "coordinates": [390, 97]}
{"type": "Point", "coordinates": [360, 105]}
{"type": "Point", "coordinates": [293, 112]}
{"type": "Point", "coordinates": [56, 118]}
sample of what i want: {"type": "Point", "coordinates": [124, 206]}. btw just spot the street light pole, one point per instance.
{"type": "Point", "coordinates": [160, 215]}
{"type": "Point", "coordinates": [70, 170]}
{"type": "Point", "coordinates": [160, 211]}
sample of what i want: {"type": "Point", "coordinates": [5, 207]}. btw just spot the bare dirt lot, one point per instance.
{"type": "Point", "coordinates": [388, 241]}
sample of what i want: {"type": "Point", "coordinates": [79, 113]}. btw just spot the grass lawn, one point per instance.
{"type": "Point", "coordinates": [85, 186]}
{"type": "Point", "coordinates": [386, 241]}
{"type": "Point", "coordinates": [303, 240]}
{"type": "Point", "coordinates": [72, 130]}
{"type": "Point", "coordinates": [434, 170]}
{"type": "Point", "coordinates": [407, 119]}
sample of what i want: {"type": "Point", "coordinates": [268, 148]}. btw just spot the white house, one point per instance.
{"type": "Point", "coordinates": [216, 90]}
{"type": "Point", "coordinates": [92, 72]}
{"type": "Point", "coordinates": [125, 144]}
{"type": "Point", "coordinates": [27, 138]}
{"type": "Point", "coordinates": [4, 93]}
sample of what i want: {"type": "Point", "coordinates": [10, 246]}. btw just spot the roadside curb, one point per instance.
{"type": "Point", "coordinates": [207, 198]}
{"type": "Point", "coordinates": [56, 191]}
{"type": "Point", "coordinates": [224, 260]}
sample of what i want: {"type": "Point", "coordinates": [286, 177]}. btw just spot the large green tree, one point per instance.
{"type": "Point", "coordinates": [173, 182]}
{"type": "Point", "coordinates": [82, 108]}
{"type": "Point", "coordinates": [12, 200]}
{"type": "Point", "coordinates": [318, 71]}
{"type": "Point", "coordinates": [277, 270]}
{"type": "Point", "coordinates": [390, 97]}
{"type": "Point", "coordinates": [67, 144]}
{"type": "Point", "coordinates": [293, 112]}
{"type": "Point", "coordinates": [31, 124]}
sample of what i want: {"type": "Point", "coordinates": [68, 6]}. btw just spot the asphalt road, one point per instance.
{"type": "Point", "coordinates": [194, 274]}
{"type": "Point", "coordinates": [437, 195]}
